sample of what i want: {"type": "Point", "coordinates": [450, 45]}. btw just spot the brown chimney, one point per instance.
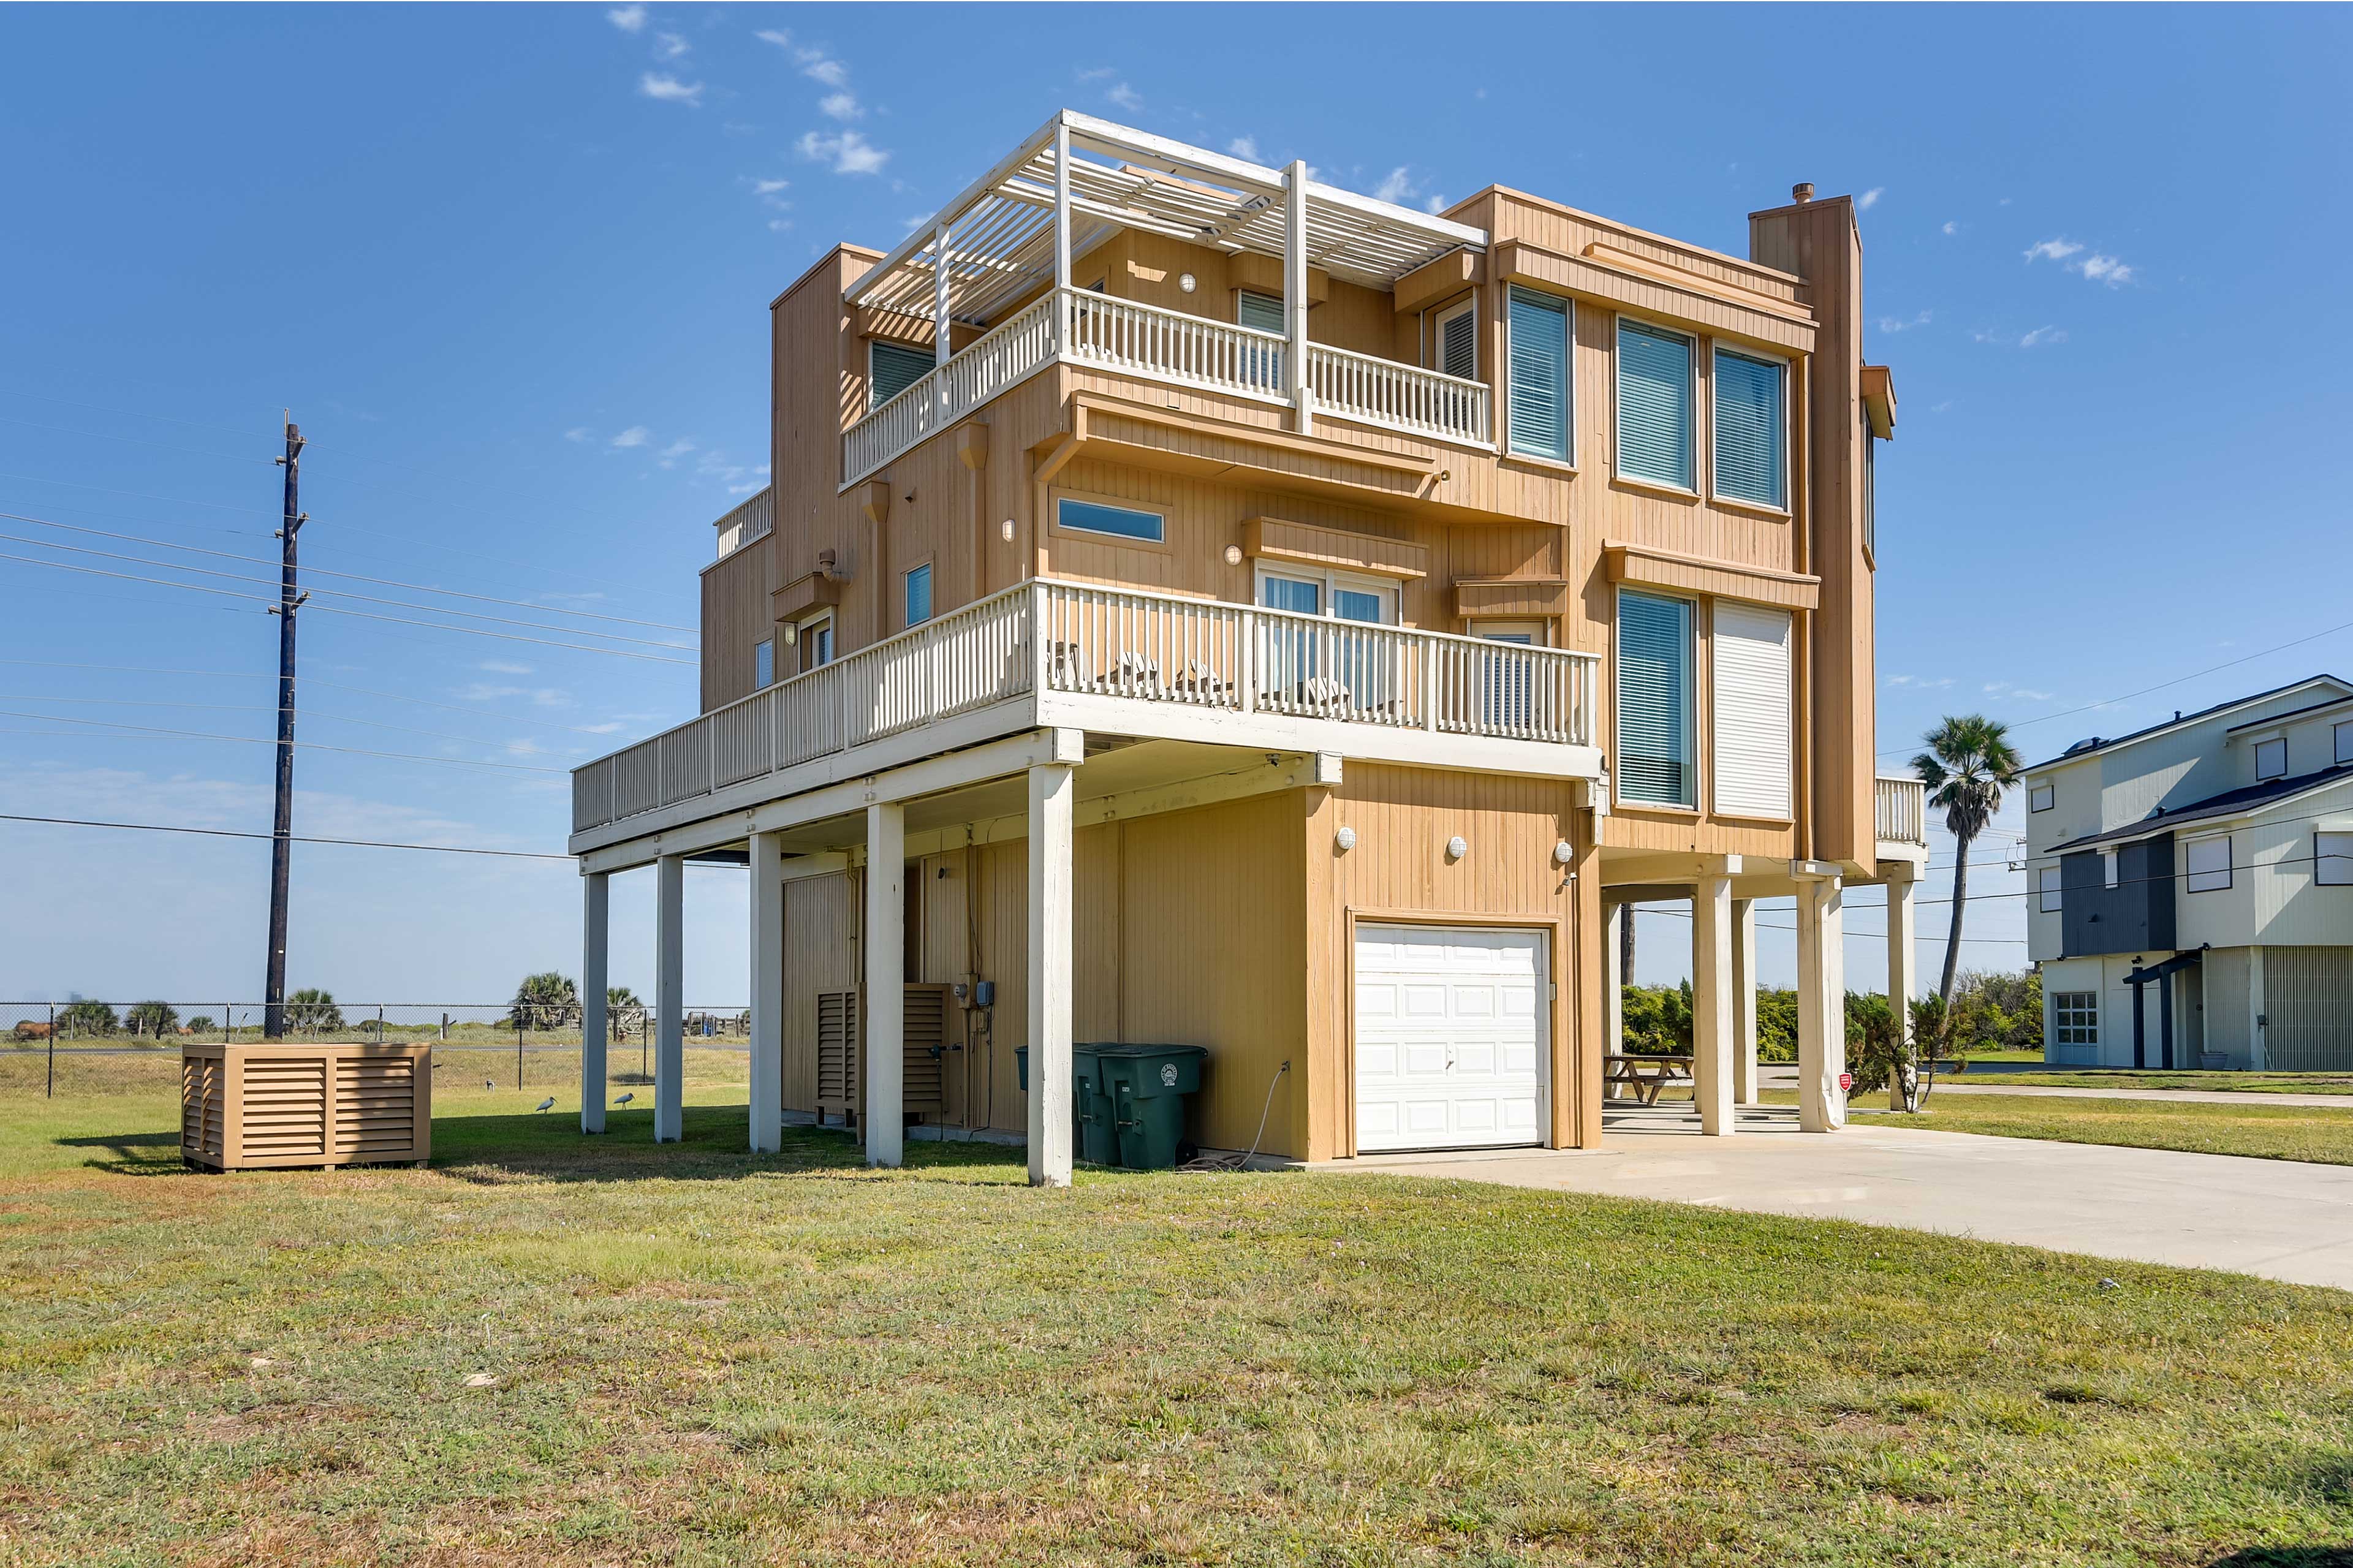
{"type": "Point", "coordinates": [1802, 192]}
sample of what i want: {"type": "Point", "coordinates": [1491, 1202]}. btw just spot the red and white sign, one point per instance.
{"type": "Point", "coordinates": [1846, 1082]}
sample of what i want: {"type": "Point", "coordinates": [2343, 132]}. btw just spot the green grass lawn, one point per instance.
{"type": "Point", "coordinates": [702, 1357]}
{"type": "Point", "coordinates": [2266, 1131]}
{"type": "Point", "coordinates": [2127, 1077]}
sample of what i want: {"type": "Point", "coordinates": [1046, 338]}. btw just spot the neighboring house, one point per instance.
{"type": "Point", "coordinates": [1277, 620]}
{"type": "Point", "coordinates": [2191, 888]}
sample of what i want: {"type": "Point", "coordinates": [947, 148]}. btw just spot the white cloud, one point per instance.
{"type": "Point", "coordinates": [668, 89]}
{"type": "Point", "coordinates": [635, 436]}
{"type": "Point", "coordinates": [1952, 226]}
{"type": "Point", "coordinates": [819, 67]}
{"type": "Point", "coordinates": [1869, 199]}
{"type": "Point", "coordinates": [779, 225]}
{"type": "Point", "coordinates": [771, 36]}
{"type": "Point", "coordinates": [669, 47]}
{"type": "Point", "coordinates": [580, 433]}
{"type": "Point", "coordinates": [1126, 98]}
{"type": "Point", "coordinates": [1398, 187]}
{"type": "Point", "coordinates": [842, 106]}
{"type": "Point", "coordinates": [2051, 249]}
{"type": "Point", "coordinates": [628, 19]}
{"type": "Point", "coordinates": [2106, 270]}
{"type": "Point", "coordinates": [743, 489]}
{"type": "Point", "coordinates": [1920, 682]}
{"type": "Point", "coordinates": [1098, 73]}
{"type": "Point", "coordinates": [503, 666]}
{"type": "Point", "coordinates": [2042, 335]}
{"type": "Point", "coordinates": [669, 455]}
{"type": "Point", "coordinates": [768, 187]}
{"type": "Point", "coordinates": [1905, 323]}
{"type": "Point", "coordinates": [1244, 147]}
{"type": "Point", "coordinates": [850, 153]}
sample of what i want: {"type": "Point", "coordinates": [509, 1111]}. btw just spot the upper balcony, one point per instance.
{"type": "Point", "coordinates": [1899, 812]}
{"type": "Point", "coordinates": [1049, 654]}
{"type": "Point", "coordinates": [999, 260]}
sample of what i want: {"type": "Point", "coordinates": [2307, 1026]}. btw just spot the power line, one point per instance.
{"type": "Point", "coordinates": [118, 732]}
{"type": "Point", "coordinates": [340, 610]}
{"type": "Point", "coordinates": [249, 708]}
{"type": "Point", "coordinates": [347, 593]}
{"type": "Point", "coordinates": [133, 440]}
{"type": "Point", "coordinates": [226, 833]}
{"type": "Point", "coordinates": [322, 571]}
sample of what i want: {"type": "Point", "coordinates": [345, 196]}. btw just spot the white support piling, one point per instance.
{"type": "Point", "coordinates": [767, 963]}
{"type": "Point", "coordinates": [595, 931]}
{"type": "Point", "coordinates": [1051, 793]}
{"type": "Point", "coordinates": [885, 1024]}
{"type": "Point", "coordinates": [669, 1004]}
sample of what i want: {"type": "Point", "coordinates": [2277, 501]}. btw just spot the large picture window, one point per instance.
{"type": "Point", "coordinates": [1751, 434]}
{"type": "Point", "coordinates": [2208, 861]}
{"type": "Point", "coordinates": [1654, 699]}
{"type": "Point", "coordinates": [2075, 1018]}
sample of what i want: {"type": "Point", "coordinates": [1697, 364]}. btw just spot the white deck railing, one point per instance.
{"type": "Point", "coordinates": [750, 520]}
{"type": "Point", "coordinates": [1899, 810]}
{"type": "Point", "coordinates": [1046, 636]}
{"type": "Point", "coordinates": [1077, 326]}
{"type": "Point", "coordinates": [1400, 397]}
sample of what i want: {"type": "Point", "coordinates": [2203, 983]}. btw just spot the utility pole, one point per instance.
{"type": "Point", "coordinates": [281, 843]}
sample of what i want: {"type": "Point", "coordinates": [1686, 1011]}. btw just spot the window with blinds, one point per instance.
{"type": "Point", "coordinates": [1539, 404]}
{"type": "Point", "coordinates": [1654, 404]}
{"type": "Point", "coordinates": [1261, 367]}
{"type": "Point", "coordinates": [1750, 680]}
{"type": "Point", "coordinates": [1654, 699]}
{"type": "Point", "coordinates": [1750, 438]}
{"type": "Point", "coordinates": [1263, 311]}
{"type": "Point", "coordinates": [892, 368]}
{"type": "Point", "coordinates": [1458, 341]}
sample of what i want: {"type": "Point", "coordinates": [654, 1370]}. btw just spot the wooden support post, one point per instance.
{"type": "Point", "coordinates": [767, 955]}
{"type": "Point", "coordinates": [670, 1008]}
{"type": "Point", "coordinates": [596, 926]}
{"type": "Point", "coordinates": [885, 1020]}
{"type": "Point", "coordinates": [1711, 1002]}
{"type": "Point", "coordinates": [1062, 206]}
{"type": "Point", "coordinates": [1744, 1002]}
{"type": "Point", "coordinates": [1295, 383]}
{"type": "Point", "coordinates": [1051, 793]}
{"type": "Point", "coordinates": [1821, 1002]}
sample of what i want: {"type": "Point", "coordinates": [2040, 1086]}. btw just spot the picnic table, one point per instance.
{"type": "Point", "coordinates": [1645, 1075]}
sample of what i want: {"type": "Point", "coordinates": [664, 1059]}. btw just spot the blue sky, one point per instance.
{"type": "Point", "coordinates": [510, 268]}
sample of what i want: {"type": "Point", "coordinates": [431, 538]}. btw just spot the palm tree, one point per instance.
{"type": "Point", "coordinates": [1969, 762]}
{"type": "Point", "coordinates": [545, 1001]}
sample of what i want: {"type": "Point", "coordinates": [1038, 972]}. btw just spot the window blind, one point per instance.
{"type": "Point", "coordinates": [1654, 404]}
{"type": "Point", "coordinates": [1749, 429]}
{"type": "Point", "coordinates": [1263, 311]}
{"type": "Point", "coordinates": [1654, 673]}
{"type": "Point", "coordinates": [1752, 708]}
{"type": "Point", "coordinates": [1458, 345]}
{"type": "Point", "coordinates": [893, 368]}
{"type": "Point", "coordinates": [1539, 375]}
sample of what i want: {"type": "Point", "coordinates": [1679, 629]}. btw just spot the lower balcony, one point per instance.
{"type": "Point", "coordinates": [1050, 653]}
{"type": "Point", "coordinates": [1076, 326]}
{"type": "Point", "coordinates": [1899, 809]}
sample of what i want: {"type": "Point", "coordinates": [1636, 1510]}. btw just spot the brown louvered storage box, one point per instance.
{"type": "Point", "coordinates": [842, 1048]}
{"type": "Point", "coordinates": [245, 1107]}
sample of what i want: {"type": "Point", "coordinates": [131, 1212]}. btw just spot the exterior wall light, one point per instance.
{"type": "Point", "coordinates": [1004, 531]}
{"type": "Point", "coordinates": [1233, 555]}
{"type": "Point", "coordinates": [1188, 283]}
{"type": "Point", "coordinates": [1345, 838]}
{"type": "Point", "coordinates": [1562, 854]}
{"type": "Point", "coordinates": [792, 632]}
{"type": "Point", "coordinates": [1456, 847]}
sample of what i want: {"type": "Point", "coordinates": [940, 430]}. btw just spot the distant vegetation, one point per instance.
{"type": "Point", "coordinates": [1988, 1013]}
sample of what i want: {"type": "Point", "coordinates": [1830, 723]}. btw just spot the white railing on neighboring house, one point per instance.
{"type": "Point", "coordinates": [1402, 396]}
{"type": "Point", "coordinates": [1078, 326]}
{"type": "Point", "coordinates": [1047, 635]}
{"type": "Point", "coordinates": [753, 519]}
{"type": "Point", "coordinates": [1899, 810]}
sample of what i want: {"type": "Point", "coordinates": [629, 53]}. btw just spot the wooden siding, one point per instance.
{"type": "Point", "coordinates": [297, 1103]}
{"type": "Point", "coordinates": [735, 620]}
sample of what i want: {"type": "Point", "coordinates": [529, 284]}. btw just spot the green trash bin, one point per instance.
{"type": "Point", "coordinates": [1144, 1088]}
{"type": "Point", "coordinates": [1092, 1137]}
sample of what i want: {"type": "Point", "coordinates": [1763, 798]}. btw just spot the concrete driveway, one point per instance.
{"type": "Point", "coordinates": [2273, 1217]}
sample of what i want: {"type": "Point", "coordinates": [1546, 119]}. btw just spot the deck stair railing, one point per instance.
{"type": "Point", "coordinates": [1078, 326]}
{"type": "Point", "coordinates": [1048, 636]}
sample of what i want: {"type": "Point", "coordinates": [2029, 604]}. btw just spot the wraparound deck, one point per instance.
{"type": "Point", "coordinates": [1049, 654]}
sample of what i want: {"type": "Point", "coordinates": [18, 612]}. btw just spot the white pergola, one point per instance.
{"type": "Point", "coordinates": [1077, 180]}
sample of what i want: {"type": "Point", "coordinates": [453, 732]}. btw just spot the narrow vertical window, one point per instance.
{"type": "Point", "coordinates": [764, 664]}
{"type": "Point", "coordinates": [2047, 881]}
{"type": "Point", "coordinates": [1750, 429]}
{"type": "Point", "coordinates": [1654, 404]}
{"type": "Point", "coordinates": [1458, 341]}
{"type": "Point", "coordinates": [919, 595]}
{"type": "Point", "coordinates": [1654, 699]}
{"type": "Point", "coordinates": [1539, 395]}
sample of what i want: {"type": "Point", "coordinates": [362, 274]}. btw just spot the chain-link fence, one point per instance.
{"type": "Point", "coordinates": [65, 1046]}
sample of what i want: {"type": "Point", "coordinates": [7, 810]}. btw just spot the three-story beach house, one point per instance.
{"type": "Point", "coordinates": [2191, 888]}
{"type": "Point", "coordinates": [1196, 603]}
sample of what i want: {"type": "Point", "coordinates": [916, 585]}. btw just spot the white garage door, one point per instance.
{"type": "Point", "coordinates": [1451, 1037]}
